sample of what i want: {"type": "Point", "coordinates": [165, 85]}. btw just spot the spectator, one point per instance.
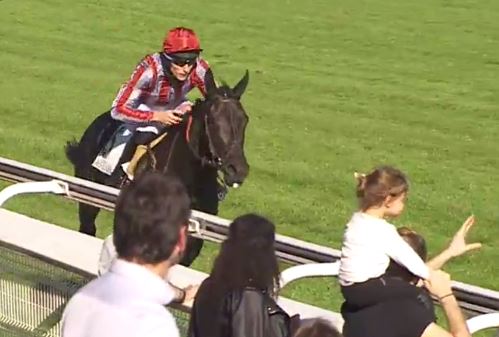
{"type": "Point", "coordinates": [150, 225]}
{"type": "Point", "coordinates": [370, 241]}
{"type": "Point", "coordinates": [414, 317]}
{"type": "Point", "coordinates": [238, 299]}
{"type": "Point", "coordinates": [108, 256]}
{"type": "Point", "coordinates": [317, 328]}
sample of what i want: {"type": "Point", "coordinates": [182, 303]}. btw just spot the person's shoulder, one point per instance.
{"type": "Point", "coordinates": [246, 296]}
{"type": "Point", "coordinates": [197, 76]}
{"type": "Point", "coordinates": [201, 62]}
{"type": "Point", "coordinates": [205, 287]}
{"type": "Point", "coordinates": [151, 60]}
{"type": "Point", "coordinates": [367, 223]}
{"type": "Point", "coordinates": [159, 323]}
{"type": "Point", "coordinates": [93, 286]}
{"type": "Point", "coordinates": [252, 291]}
{"type": "Point", "coordinates": [83, 298]}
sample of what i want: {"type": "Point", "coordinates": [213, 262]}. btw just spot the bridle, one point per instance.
{"type": "Point", "coordinates": [214, 159]}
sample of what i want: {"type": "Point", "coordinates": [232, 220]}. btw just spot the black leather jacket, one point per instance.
{"type": "Point", "coordinates": [244, 313]}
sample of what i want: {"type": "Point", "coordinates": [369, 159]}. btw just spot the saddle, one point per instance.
{"type": "Point", "coordinates": [108, 157]}
{"type": "Point", "coordinates": [139, 153]}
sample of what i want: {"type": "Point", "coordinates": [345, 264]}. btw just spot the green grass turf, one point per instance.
{"type": "Point", "coordinates": [336, 86]}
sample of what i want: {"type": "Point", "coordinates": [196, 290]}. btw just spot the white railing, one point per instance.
{"type": "Point", "coordinates": [212, 228]}
{"type": "Point", "coordinates": [54, 186]}
{"type": "Point", "coordinates": [483, 322]}
{"type": "Point", "coordinates": [309, 270]}
{"type": "Point", "coordinates": [472, 298]}
{"type": "Point", "coordinates": [80, 254]}
{"type": "Point", "coordinates": [64, 247]}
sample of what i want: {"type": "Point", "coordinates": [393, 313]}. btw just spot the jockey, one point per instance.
{"type": "Point", "coordinates": [154, 97]}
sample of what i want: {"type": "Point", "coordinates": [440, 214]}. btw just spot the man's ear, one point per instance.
{"type": "Point", "coordinates": [182, 239]}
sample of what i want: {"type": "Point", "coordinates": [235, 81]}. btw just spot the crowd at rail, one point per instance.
{"type": "Point", "coordinates": [386, 278]}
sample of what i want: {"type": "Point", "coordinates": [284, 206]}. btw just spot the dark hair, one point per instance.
{"type": "Point", "coordinates": [148, 217]}
{"type": "Point", "coordinates": [418, 243]}
{"type": "Point", "coordinates": [384, 181]}
{"type": "Point", "coordinates": [317, 327]}
{"type": "Point", "coordinates": [247, 258]}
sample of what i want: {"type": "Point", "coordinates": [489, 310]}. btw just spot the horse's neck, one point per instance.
{"type": "Point", "coordinates": [181, 147]}
{"type": "Point", "coordinates": [168, 151]}
{"type": "Point", "coordinates": [198, 137]}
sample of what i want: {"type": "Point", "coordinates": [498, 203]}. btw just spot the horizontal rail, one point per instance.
{"type": "Point", "coordinates": [213, 228]}
{"type": "Point", "coordinates": [483, 322]}
{"type": "Point", "coordinates": [294, 273]}
{"type": "Point", "coordinates": [471, 298]}
{"type": "Point", "coordinates": [52, 186]}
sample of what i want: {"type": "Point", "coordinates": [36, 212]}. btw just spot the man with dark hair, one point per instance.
{"type": "Point", "coordinates": [150, 233]}
{"type": "Point", "coordinates": [317, 327]}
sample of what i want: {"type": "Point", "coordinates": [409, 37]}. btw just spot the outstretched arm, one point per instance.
{"type": "Point", "coordinates": [400, 251]}
{"type": "Point", "coordinates": [440, 286]}
{"type": "Point", "coordinates": [457, 246]}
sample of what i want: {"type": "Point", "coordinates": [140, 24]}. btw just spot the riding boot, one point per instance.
{"type": "Point", "coordinates": [116, 177]}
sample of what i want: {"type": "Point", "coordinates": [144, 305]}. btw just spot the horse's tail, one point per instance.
{"type": "Point", "coordinates": [74, 153]}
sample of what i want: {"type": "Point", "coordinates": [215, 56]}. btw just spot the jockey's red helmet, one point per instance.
{"type": "Point", "coordinates": [181, 40]}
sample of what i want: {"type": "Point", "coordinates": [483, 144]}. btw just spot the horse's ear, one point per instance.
{"type": "Point", "coordinates": [209, 81]}
{"type": "Point", "coordinates": [241, 86]}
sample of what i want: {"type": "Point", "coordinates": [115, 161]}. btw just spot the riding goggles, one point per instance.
{"type": "Point", "coordinates": [181, 59]}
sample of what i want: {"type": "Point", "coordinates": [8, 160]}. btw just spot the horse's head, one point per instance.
{"type": "Point", "coordinates": [226, 123]}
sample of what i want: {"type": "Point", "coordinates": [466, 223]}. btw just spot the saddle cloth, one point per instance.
{"type": "Point", "coordinates": [110, 154]}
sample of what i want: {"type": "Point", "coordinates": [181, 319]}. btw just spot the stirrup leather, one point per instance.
{"type": "Point", "coordinates": [139, 152]}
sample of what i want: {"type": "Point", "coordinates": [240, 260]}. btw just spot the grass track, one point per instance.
{"type": "Point", "coordinates": [336, 87]}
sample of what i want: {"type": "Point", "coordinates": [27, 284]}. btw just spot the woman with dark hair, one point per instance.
{"type": "Point", "coordinates": [239, 296]}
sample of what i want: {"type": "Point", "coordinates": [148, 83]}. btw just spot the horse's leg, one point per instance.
{"type": "Point", "coordinates": [206, 194]}
{"type": "Point", "coordinates": [206, 200]}
{"type": "Point", "coordinates": [192, 250]}
{"type": "Point", "coordinates": [87, 215]}
{"type": "Point", "coordinates": [81, 154]}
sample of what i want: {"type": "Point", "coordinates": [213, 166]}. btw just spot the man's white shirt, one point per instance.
{"type": "Point", "coordinates": [127, 301]}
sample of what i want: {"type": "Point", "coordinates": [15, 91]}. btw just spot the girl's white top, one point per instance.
{"type": "Point", "coordinates": [368, 245]}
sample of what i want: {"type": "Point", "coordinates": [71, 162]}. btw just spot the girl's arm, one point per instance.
{"type": "Point", "coordinates": [400, 251]}
{"type": "Point", "coordinates": [456, 247]}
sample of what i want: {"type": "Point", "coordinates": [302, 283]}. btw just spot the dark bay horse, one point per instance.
{"type": "Point", "coordinates": [208, 143]}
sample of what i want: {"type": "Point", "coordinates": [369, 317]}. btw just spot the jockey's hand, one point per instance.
{"type": "Point", "coordinates": [184, 108]}
{"type": "Point", "coordinates": [169, 117]}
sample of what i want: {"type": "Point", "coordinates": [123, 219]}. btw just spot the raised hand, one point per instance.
{"type": "Point", "coordinates": [458, 245]}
